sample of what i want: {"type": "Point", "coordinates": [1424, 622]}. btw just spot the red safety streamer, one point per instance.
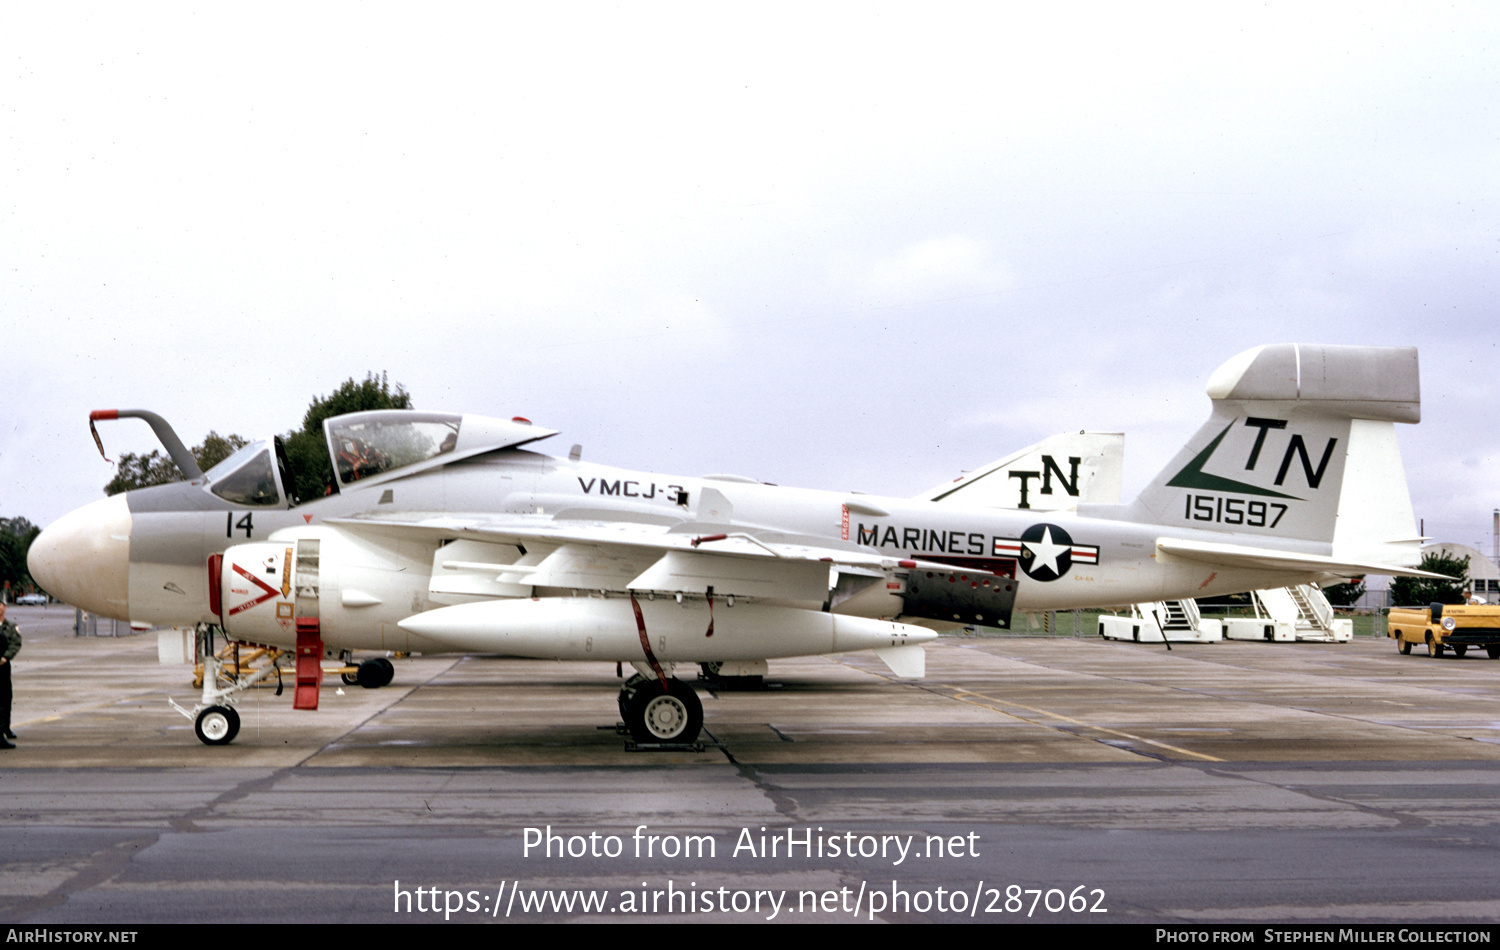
{"type": "Point", "coordinates": [640, 626]}
{"type": "Point", "coordinates": [98, 441]}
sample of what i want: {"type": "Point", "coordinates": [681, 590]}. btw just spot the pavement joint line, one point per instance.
{"type": "Point", "coordinates": [380, 710]}
{"type": "Point", "coordinates": [780, 798]}
{"type": "Point", "coordinates": [959, 694]}
{"type": "Point", "coordinates": [1306, 790]}
{"type": "Point", "coordinates": [102, 867]}
{"type": "Point", "coordinates": [1142, 679]}
{"type": "Point", "coordinates": [1229, 697]}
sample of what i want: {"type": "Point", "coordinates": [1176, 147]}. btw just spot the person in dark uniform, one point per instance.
{"type": "Point", "coordinates": [10, 645]}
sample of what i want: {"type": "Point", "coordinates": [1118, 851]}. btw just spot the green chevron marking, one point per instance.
{"type": "Point", "coordinates": [1193, 475]}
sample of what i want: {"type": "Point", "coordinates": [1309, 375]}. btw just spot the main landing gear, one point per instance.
{"type": "Point", "coordinates": [659, 717]}
{"type": "Point", "coordinates": [371, 674]}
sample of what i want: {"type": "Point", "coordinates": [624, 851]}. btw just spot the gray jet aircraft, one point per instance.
{"type": "Point", "coordinates": [449, 533]}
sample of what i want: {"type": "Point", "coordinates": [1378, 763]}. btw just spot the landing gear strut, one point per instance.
{"type": "Point", "coordinates": [741, 674]}
{"type": "Point", "coordinates": [214, 717]}
{"type": "Point", "coordinates": [660, 717]}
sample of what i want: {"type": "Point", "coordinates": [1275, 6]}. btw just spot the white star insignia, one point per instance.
{"type": "Point", "coordinates": [1045, 552]}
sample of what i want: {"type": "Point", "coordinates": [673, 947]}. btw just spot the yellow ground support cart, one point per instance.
{"type": "Point", "coordinates": [1446, 626]}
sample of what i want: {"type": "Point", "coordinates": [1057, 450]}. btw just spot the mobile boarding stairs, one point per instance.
{"type": "Point", "coordinates": [1283, 615]}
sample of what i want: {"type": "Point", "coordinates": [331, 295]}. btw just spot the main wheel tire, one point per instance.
{"type": "Point", "coordinates": [376, 672]}
{"type": "Point", "coordinates": [1459, 649]}
{"type": "Point", "coordinates": [350, 679]}
{"type": "Point", "coordinates": [217, 725]}
{"type": "Point", "coordinates": [1403, 645]}
{"type": "Point", "coordinates": [673, 716]}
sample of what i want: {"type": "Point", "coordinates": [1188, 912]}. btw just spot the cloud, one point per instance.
{"type": "Point", "coordinates": [929, 269]}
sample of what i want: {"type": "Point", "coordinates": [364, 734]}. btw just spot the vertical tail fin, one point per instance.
{"type": "Point", "coordinates": [1302, 445]}
{"type": "Point", "coordinates": [1058, 472]}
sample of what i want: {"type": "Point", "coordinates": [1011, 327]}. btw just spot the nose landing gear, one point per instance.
{"type": "Point", "coordinates": [217, 725]}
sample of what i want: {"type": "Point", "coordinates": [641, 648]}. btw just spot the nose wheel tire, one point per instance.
{"type": "Point", "coordinates": [217, 725]}
{"type": "Point", "coordinates": [674, 716]}
{"type": "Point", "coordinates": [375, 672]}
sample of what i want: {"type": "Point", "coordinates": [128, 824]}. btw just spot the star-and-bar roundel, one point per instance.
{"type": "Point", "coordinates": [1046, 552]}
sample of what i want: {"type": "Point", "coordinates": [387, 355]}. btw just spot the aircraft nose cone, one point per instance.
{"type": "Point", "coordinates": [83, 558]}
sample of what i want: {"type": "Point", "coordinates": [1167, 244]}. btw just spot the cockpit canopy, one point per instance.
{"type": "Point", "coordinates": [249, 477]}
{"type": "Point", "coordinates": [371, 447]}
{"type": "Point", "coordinates": [364, 444]}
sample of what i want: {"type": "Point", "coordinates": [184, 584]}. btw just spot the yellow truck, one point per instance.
{"type": "Point", "coordinates": [1445, 627]}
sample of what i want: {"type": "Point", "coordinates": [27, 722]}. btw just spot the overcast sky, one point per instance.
{"type": "Point", "coordinates": [838, 246]}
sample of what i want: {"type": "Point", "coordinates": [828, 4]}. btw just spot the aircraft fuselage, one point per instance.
{"type": "Point", "coordinates": [1062, 559]}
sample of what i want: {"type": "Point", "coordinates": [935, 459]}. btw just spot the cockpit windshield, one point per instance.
{"type": "Point", "coordinates": [248, 477]}
{"type": "Point", "coordinates": [371, 443]}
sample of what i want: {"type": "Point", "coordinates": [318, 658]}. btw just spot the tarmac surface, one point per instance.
{"type": "Point", "coordinates": [1026, 778]}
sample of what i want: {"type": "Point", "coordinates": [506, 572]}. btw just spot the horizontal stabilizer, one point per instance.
{"type": "Point", "coordinates": [1264, 559]}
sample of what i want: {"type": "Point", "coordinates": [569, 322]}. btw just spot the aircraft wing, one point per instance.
{"type": "Point", "coordinates": [725, 539]}
{"type": "Point", "coordinates": [1267, 559]}
{"type": "Point", "coordinates": [500, 555]}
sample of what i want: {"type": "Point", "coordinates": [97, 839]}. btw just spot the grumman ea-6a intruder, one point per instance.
{"type": "Point", "coordinates": [449, 533]}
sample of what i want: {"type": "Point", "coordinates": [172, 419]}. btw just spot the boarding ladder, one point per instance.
{"type": "Point", "coordinates": [1303, 606]}
{"type": "Point", "coordinates": [1176, 620]}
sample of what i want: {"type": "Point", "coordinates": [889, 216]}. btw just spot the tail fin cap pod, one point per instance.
{"type": "Point", "coordinates": [1378, 383]}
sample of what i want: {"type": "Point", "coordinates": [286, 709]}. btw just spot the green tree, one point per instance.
{"type": "Point", "coordinates": [155, 468]}
{"type": "Point", "coordinates": [311, 469]}
{"type": "Point", "coordinates": [1345, 595]}
{"type": "Point", "coordinates": [16, 535]}
{"type": "Point", "coordinates": [1420, 591]}
{"type": "Point", "coordinates": [134, 471]}
{"type": "Point", "coordinates": [216, 448]}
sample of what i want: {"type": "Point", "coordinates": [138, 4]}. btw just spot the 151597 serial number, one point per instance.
{"type": "Point", "coordinates": [1252, 514]}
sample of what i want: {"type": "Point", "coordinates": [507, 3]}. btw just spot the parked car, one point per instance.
{"type": "Point", "coordinates": [32, 599]}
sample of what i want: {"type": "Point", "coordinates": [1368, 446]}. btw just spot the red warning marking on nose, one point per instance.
{"type": "Point", "coordinates": [269, 590]}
